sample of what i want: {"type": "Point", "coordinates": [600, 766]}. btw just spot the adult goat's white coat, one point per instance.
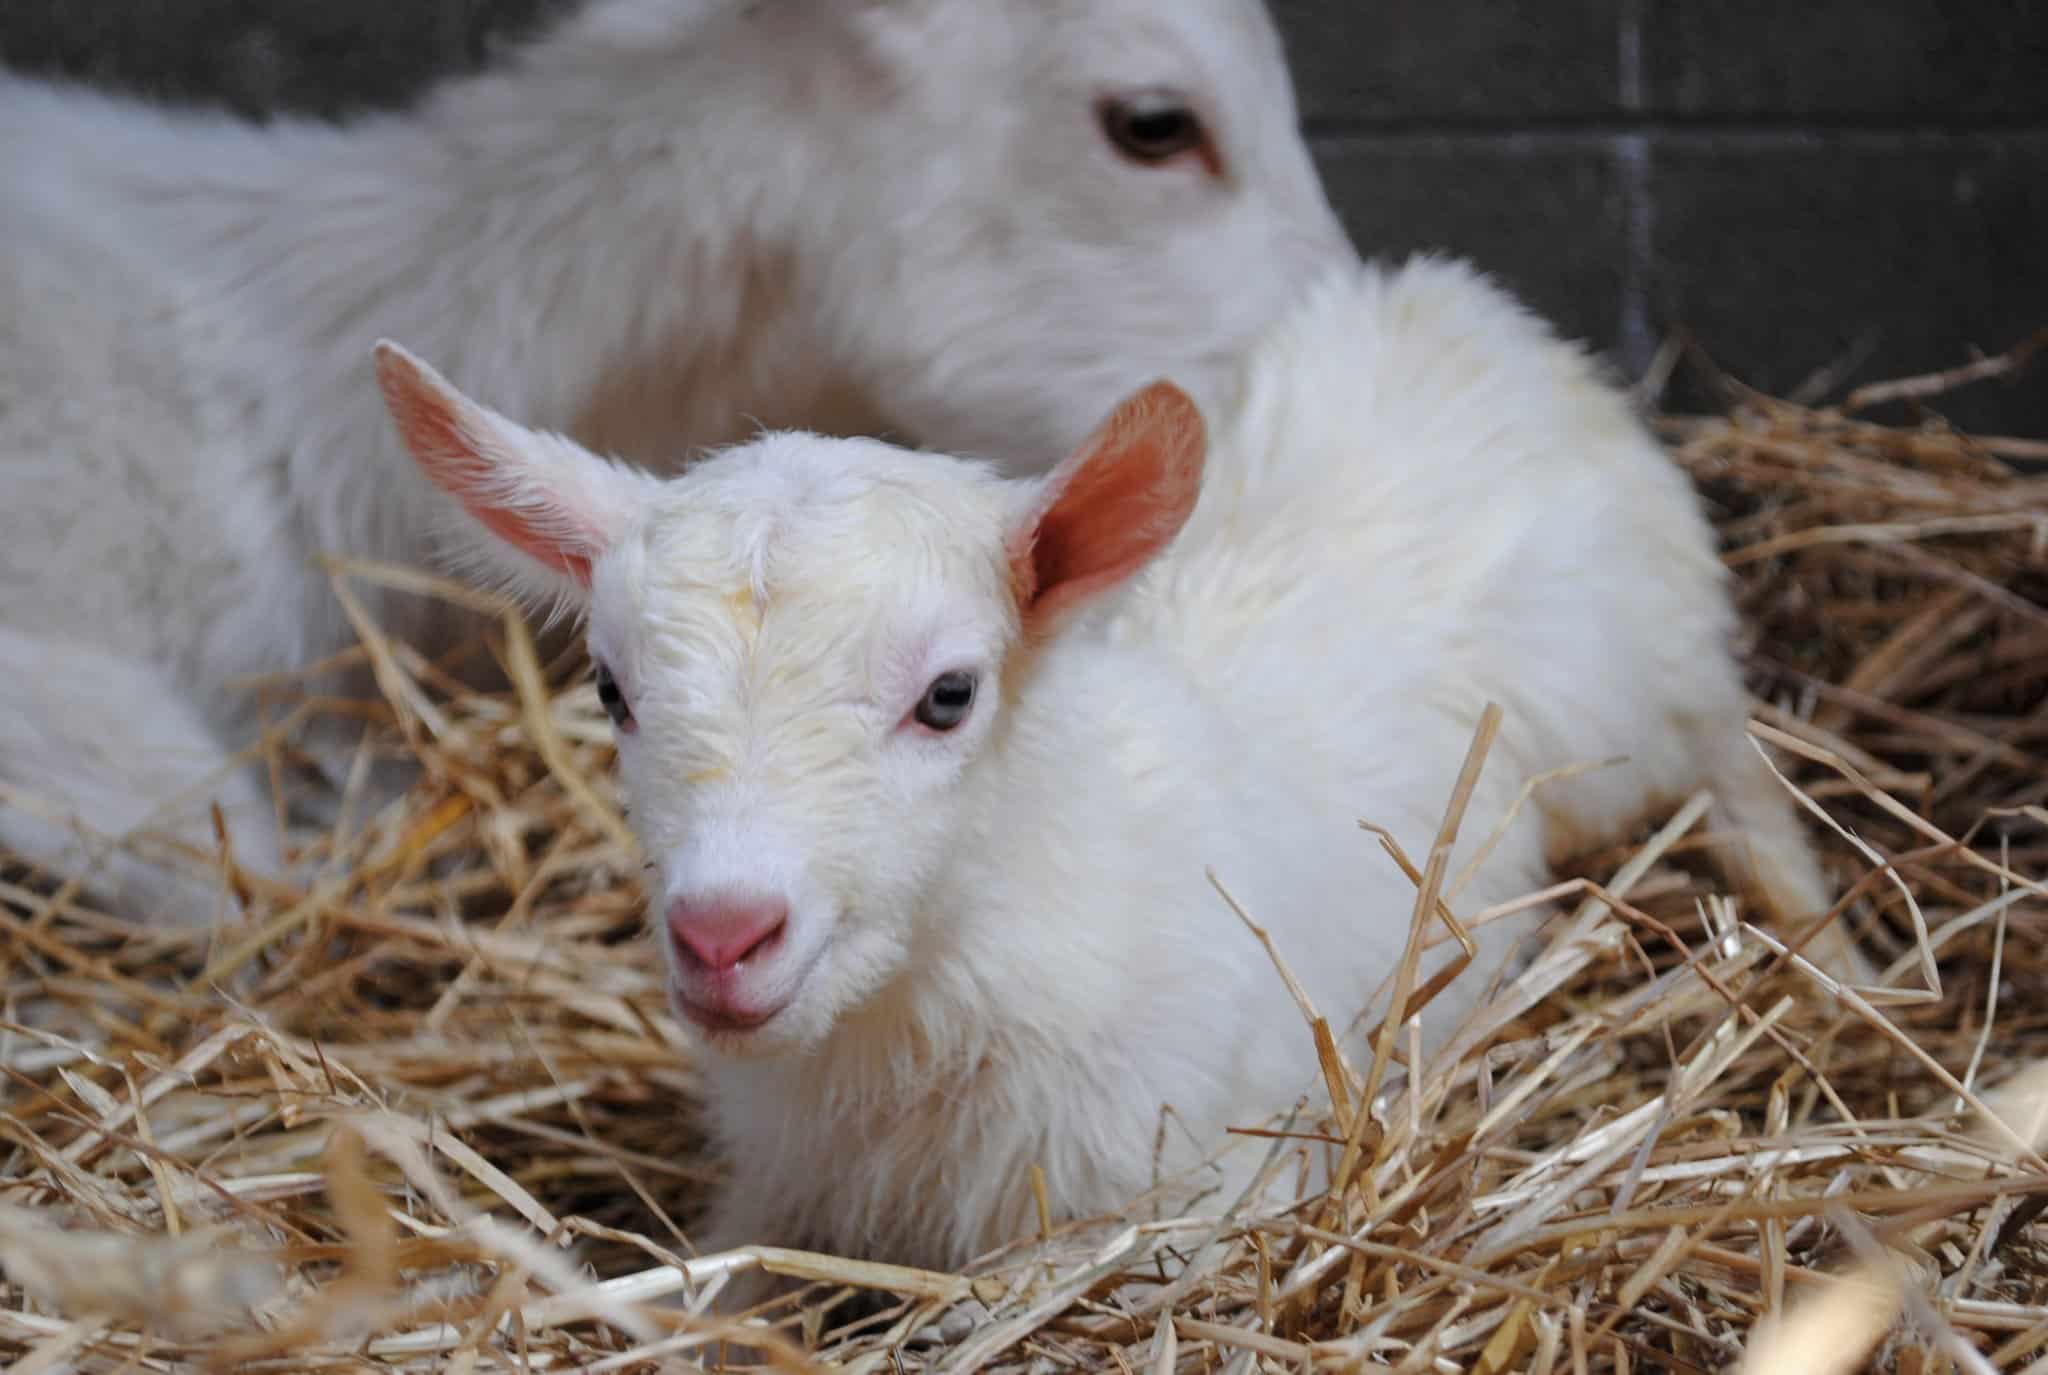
{"type": "Point", "coordinates": [965, 221]}
{"type": "Point", "coordinates": [930, 765]}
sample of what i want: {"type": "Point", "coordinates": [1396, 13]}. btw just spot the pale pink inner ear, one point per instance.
{"type": "Point", "coordinates": [1113, 505]}
{"type": "Point", "coordinates": [449, 437]}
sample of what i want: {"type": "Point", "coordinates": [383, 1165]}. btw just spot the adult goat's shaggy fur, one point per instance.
{"type": "Point", "coordinates": [963, 221]}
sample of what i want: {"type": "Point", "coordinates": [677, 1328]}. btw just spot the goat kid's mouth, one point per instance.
{"type": "Point", "coordinates": [741, 998]}
{"type": "Point", "coordinates": [727, 1018]}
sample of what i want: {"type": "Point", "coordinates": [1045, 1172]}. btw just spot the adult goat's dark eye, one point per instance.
{"type": "Point", "coordinates": [614, 700]}
{"type": "Point", "coordinates": [1151, 131]}
{"type": "Point", "coordinates": [946, 702]}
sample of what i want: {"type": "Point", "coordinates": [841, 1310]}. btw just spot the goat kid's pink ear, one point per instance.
{"type": "Point", "coordinates": [1112, 505]}
{"type": "Point", "coordinates": [544, 496]}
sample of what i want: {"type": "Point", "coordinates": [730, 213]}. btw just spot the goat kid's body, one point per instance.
{"type": "Point", "coordinates": [1418, 502]}
{"type": "Point", "coordinates": [632, 232]}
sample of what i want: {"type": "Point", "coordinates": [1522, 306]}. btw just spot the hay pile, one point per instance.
{"type": "Point", "coordinates": [431, 1113]}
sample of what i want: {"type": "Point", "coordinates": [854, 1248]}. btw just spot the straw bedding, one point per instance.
{"type": "Point", "coordinates": [430, 1112]}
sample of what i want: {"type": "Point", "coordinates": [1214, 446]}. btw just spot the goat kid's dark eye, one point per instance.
{"type": "Point", "coordinates": [1151, 131]}
{"type": "Point", "coordinates": [614, 700]}
{"type": "Point", "coordinates": [946, 702]}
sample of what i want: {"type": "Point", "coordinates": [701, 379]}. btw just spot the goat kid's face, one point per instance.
{"type": "Point", "coordinates": [806, 646]}
{"type": "Point", "coordinates": [1079, 195]}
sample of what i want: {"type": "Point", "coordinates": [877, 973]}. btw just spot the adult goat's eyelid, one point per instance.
{"type": "Point", "coordinates": [1204, 147]}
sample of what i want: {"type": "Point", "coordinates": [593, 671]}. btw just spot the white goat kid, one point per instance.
{"type": "Point", "coordinates": [931, 764]}
{"type": "Point", "coordinates": [962, 221]}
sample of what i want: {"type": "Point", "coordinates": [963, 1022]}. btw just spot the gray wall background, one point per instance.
{"type": "Point", "coordinates": [1851, 184]}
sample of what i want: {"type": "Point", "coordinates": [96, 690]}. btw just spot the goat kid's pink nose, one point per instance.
{"type": "Point", "coordinates": [722, 931]}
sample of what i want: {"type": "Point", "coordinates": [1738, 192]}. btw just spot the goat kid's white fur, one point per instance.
{"type": "Point", "coordinates": [1001, 947]}
{"type": "Point", "coordinates": [661, 225]}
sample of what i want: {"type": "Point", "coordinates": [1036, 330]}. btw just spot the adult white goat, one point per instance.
{"type": "Point", "coordinates": [930, 764]}
{"type": "Point", "coordinates": [965, 221]}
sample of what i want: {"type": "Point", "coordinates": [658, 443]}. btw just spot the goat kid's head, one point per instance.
{"type": "Point", "coordinates": [807, 647]}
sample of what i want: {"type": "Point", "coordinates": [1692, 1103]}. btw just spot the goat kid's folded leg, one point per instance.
{"type": "Point", "coordinates": [97, 748]}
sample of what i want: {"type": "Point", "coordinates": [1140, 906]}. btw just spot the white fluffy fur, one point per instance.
{"type": "Point", "coordinates": [664, 223]}
{"type": "Point", "coordinates": [1002, 948]}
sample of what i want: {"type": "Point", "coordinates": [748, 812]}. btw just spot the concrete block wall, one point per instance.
{"type": "Point", "coordinates": [1861, 183]}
